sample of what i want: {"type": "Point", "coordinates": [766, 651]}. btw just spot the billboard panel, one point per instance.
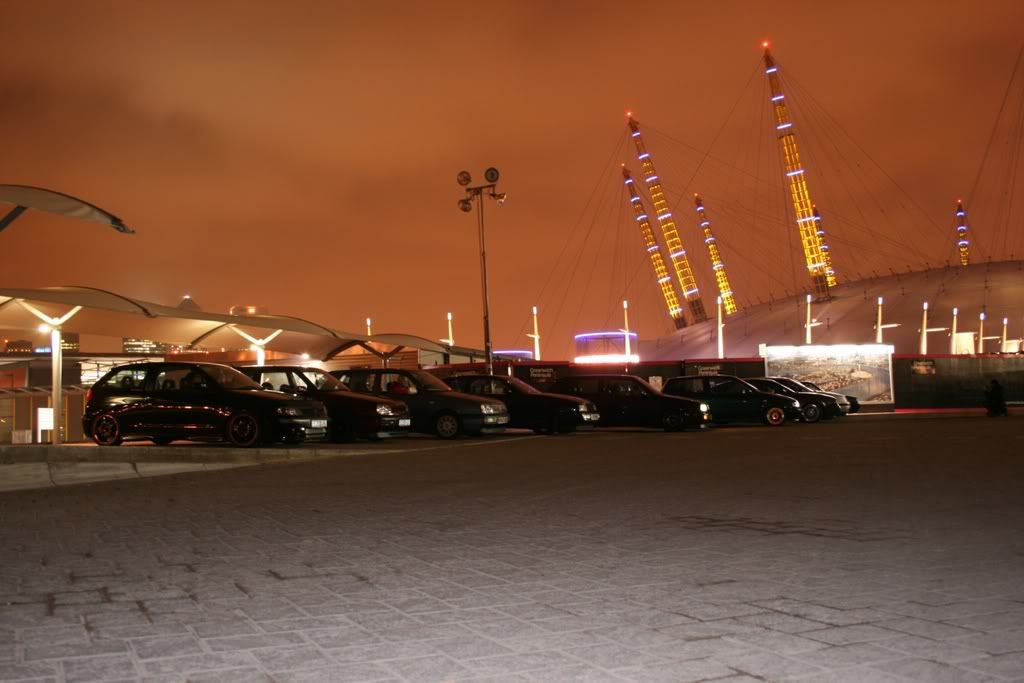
{"type": "Point", "coordinates": [861, 370]}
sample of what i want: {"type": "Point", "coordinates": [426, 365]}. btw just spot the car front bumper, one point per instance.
{"type": "Point", "coordinates": [301, 429]}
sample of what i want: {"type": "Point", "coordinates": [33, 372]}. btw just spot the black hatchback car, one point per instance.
{"type": "Point", "coordinates": [352, 415]}
{"type": "Point", "coordinates": [733, 400]}
{"type": "Point", "coordinates": [435, 407]}
{"type": "Point", "coordinates": [164, 402]}
{"type": "Point", "coordinates": [629, 401]}
{"type": "Point", "coordinates": [813, 406]}
{"type": "Point", "coordinates": [529, 408]}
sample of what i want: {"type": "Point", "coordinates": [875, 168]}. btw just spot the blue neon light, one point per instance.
{"type": "Point", "coordinates": [629, 181]}
{"type": "Point", "coordinates": [664, 216]}
{"type": "Point", "coordinates": [804, 220]}
{"type": "Point", "coordinates": [677, 254]}
{"type": "Point", "coordinates": [636, 133]}
{"type": "Point", "coordinates": [796, 172]}
{"type": "Point", "coordinates": [963, 243]}
{"type": "Point", "coordinates": [709, 240]}
{"type": "Point", "coordinates": [634, 199]}
{"type": "Point", "coordinates": [705, 224]}
{"type": "Point", "coordinates": [783, 125]}
{"type": "Point", "coordinates": [662, 280]}
{"type": "Point", "coordinates": [645, 155]}
{"type": "Point", "coordinates": [717, 266]}
{"type": "Point", "coordinates": [691, 291]}
{"type": "Point", "coordinates": [777, 98]}
{"type": "Point", "coordinates": [771, 70]}
{"type": "Point", "coordinates": [961, 213]}
{"type": "Point", "coordinates": [652, 178]}
{"type": "Point", "coordinates": [641, 217]}
{"type": "Point", "coordinates": [653, 247]}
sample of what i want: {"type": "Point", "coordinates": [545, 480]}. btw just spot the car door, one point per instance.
{"type": "Point", "coordinates": [616, 394]}
{"type": "Point", "coordinates": [725, 398]}
{"type": "Point", "coordinates": [201, 403]}
{"type": "Point", "coordinates": [124, 394]}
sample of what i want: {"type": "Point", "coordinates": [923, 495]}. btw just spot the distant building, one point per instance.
{"type": "Point", "coordinates": [249, 310]}
{"type": "Point", "coordinates": [188, 304]}
{"type": "Point", "coordinates": [143, 347]}
{"type": "Point", "coordinates": [20, 346]}
{"type": "Point", "coordinates": [69, 341]}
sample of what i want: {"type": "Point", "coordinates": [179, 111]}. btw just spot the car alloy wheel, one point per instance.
{"type": "Point", "coordinates": [673, 422]}
{"type": "Point", "coordinates": [812, 412]}
{"type": "Point", "coordinates": [447, 426]}
{"type": "Point", "coordinates": [243, 430]}
{"type": "Point", "coordinates": [106, 431]}
{"type": "Point", "coordinates": [775, 416]}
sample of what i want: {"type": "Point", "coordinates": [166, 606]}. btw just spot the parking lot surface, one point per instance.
{"type": "Point", "coordinates": [849, 551]}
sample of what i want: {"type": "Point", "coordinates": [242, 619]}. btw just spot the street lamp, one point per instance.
{"type": "Point", "coordinates": [466, 204]}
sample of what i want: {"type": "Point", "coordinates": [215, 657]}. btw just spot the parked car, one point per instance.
{"type": "Point", "coordinates": [529, 408]}
{"type": "Point", "coordinates": [842, 403]}
{"type": "Point", "coordinates": [435, 407]}
{"type": "Point", "coordinates": [733, 400]}
{"type": "Point", "coordinates": [629, 401]}
{"type": "Point", "coordinates": [164, 402]}
{"type": "Point", "coordinates": [352, 415]}
{"type": "Point", "coordinates": [813, 406]}
{"type": "Point", "coordinates": [853, 401]}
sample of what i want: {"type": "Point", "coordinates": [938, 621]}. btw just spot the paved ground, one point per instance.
{"type": "Point", "coordinates": [882, 551]}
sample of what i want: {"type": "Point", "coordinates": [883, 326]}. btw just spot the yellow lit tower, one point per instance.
{"type": "Point", "coordinates": [668, 289]}
{"type": "Point", "coordinates": [721, 279]}
{"type": "Point", "coordinates": [819, 261]}
{"type": "Point", "coordinates": [676, 252]}
{"type": "Point", "coordinates": [961, 233]}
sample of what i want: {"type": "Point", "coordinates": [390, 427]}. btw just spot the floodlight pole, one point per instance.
{"type": "Point", "coordinates": [807, 325]}
{"type": "Point", "coordinates": [52, 325]}
{"type": "Point", "coordinates": [878, 323]}
{"type": "Point", "coordinates": [923, 350]}
{"type": "Point", "coordinates": [721, 342]}
{"type": "Point", "coordinates": [478, 192]}
{"type": "Point", "coordinates": [952, 334]}
{"type": "Point", "coordinates": [625, 322]}
{"type": "Point", "coordinates": [1002, 345]}
{"type": "Point", "coordinates": [535, 336]}
{"type": "Point", "coordinates": [981, 332]}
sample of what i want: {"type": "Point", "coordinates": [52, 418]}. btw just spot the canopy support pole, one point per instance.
{"type": "Point", "coordinates": [52, 325]}
{"type": "Point", "coordinates": [258, 345]}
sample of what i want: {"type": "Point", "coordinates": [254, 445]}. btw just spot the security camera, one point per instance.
{"type": "Point", "coordinates": [500, 197]}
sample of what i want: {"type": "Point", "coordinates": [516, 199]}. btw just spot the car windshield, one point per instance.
{"type": "Point", "coordinates": [792, 384]}
{"type": "Point", "coordinates": [229, 378]}
{"type": "Point", "coordinates": [428, 382]}
{"type": "Point", "coordinates": [646, 385]}
{"type": "Point", "coordinates": [522, 386]}
{"type": "Point", "coordinates": [322, 381]}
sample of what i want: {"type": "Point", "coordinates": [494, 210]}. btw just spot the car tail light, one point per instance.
{"type": "Point", "coordinates": [88, 395]}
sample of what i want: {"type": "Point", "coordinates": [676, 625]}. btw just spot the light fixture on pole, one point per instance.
{"type": "Point", "coordinates": [721, 342]}
{"type": "Point", "coordinates": [1002, 345]}
{"type": "Point", "coordinates": [450, 341]}
{"type": "Point", "coordinates": [952, 334]}
{"type": "Point", "coordinates": [478, 192]}
{"type": "Point", "coordinates": [535, 336]}
{"type": "Point", "coordinates": [810, 322]}
{"type": "Point", "coordinates": [981, 332]}
{"type": "Point", "coordinates": [878, 323]}
{"type": "Point", "coordinates": [925, 329]}
{"type": "Point", "coordinates": [369, 327]}
{"type": "Point", "coordinates": [625, 322]}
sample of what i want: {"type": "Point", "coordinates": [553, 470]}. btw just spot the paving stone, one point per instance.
{"type": "Point", "coordinates": [166, 646]}
{"type": "Point", "coordinates": [519, 663]}
{"type": "Point", "coordinates": [99, 669]}
{"type": "Point", "coordinates": [680, 672]}
{"type": "Point", "coordinates": [88, 648]}
{"type": "Point", "coordinates": [925, 628]}
{"type": "Point", "coordinates": [353, 673]}
{"type": "Point", "coordinates": [1010, 666]}
{"type": "Point", "coordinates": [997, 643]}
{"type": "Point", "coordinates": [845, 635]}
{"type": "Point", "coordinates": [251, 642]}
{"type": "Point", "coordinates": [430, 669]}
{"type": "Point", "coordinates": [290, 658]}
{"type": "Point", "coordinates": [934, 672]}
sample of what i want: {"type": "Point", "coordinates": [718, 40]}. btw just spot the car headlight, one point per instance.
{"type": "Point", "coordinates": [287, 410]}
{"type": "Point", "coordinates": [583, 408]}
{"type": "Point", "coordinates": [796, 403]}
{"type": "Point", "coordinates": [704, 407]}
{"type": "Point", "coordinates": [385, 409]}
{"type": "Point", "coordinates": [492, 408]}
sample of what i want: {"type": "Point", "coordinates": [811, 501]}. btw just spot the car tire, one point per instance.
{"type": "Point", "coordinates": [161, 440]}
{"type": "Point", "coordinates": [447, 425]}
{"type": "Point", "coordinates": [673, 422]}
{"type": "Point", "coordinates": [106, 431]}
{"type": "Point", "coordinates": [775, 416]}
{"type": "Point", "coordinates": [811, 412]}
{"type": "Point", "coordinates": [243, 430]}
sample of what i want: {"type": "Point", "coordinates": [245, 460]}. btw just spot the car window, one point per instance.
{"type": "Point", "coordinates": [126, 379]}
{"type": "Point", "coordinates": [320, 380]}
{"type": "Point", "coordinates": [578, 385]}
{"type": "Point", "coordinates": [725, 387]}
{"type": "Point", "coordinates": [486, 386]}
{"type": "Point", "coordinates": [360, 381]}
{"type": "Point", "coordinates": [623, 387]}
{"type": "Point", "coordinates": [522, 386]}
{"type": "Point", "coordinates": [397, 384]}
{"type": "Point", "coordinates": [278, 380]}
{"type": "Point", "coordinates": [227, 378]}
{"type": "Point", "coordinates": [169, 379]}
{"type": "Point", "coordinates": [686, 386]}
{"type": "Point", "coordinates": [194, 380]}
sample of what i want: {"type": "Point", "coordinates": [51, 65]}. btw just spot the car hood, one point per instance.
{"type": "Point", "coordinates": [357, 400]}
{"type": "Point", "coordinates": [270, 396]}
{"type": "Point", "coordinates": [563, 397]}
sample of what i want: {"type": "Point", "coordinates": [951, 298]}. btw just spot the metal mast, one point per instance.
{"type": "Point", "coordinates": [676, 252]}
{"type": "Point", "coordinates": [668, 289]}
{"type": "Point", "coordinates": [819, 261]}
{"type": "Point", "coordinates": [961, 233]}
{"type": "Point", "coordinates": [721, 279]}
